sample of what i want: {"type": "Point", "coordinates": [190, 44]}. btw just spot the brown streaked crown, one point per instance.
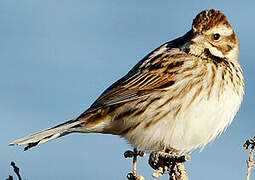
{"type": "Point", "coordinates": [205, 20]}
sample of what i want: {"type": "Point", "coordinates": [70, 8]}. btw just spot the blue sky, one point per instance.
{"type": "Point", "coordinates": [58, 56]}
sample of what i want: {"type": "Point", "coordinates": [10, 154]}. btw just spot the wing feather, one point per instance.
{"type": "Point", "coordinates": [142, 85]}
{"type": "Point", "coordinates": [146, 77]}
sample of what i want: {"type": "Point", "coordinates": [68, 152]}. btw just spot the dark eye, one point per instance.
{"type": "Point", "coordinates": [216, 36]}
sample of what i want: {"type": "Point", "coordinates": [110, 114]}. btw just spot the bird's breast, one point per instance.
{"type": "Point", "coordinates": [190, 114]}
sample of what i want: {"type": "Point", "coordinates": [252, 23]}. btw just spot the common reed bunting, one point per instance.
{"type": "Point", "coordinates": [179, 97]}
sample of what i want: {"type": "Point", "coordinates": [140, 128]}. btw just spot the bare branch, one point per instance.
{"type": "Point", "coordinates": [134, 154]}
{"type": "Point", "coordinates": [10, 178]}
{"type": "Point", "coordinates": [16, 170]}
{"type": "Point", "coordinates": [250, 163]}
{"type": "Point", "coordinates": [167, 163]}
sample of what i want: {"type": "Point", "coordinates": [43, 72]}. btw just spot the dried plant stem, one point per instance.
{"type": "Point", "coordinates": [10, 178]}
{"type": "Point", "coordinates": [183, 175]}
{"type": "Point", "coordinates": [135, 162]}
{"type": "Point", "coordinates": [250, 162]}
{"type": "Point", "coordinates": [16, 170]}
{"type": "Point", "coordinates": [167, 163]}
{"type": "Point", "coordinates": [179, 173]}
{"type": "Point", "coordinates": [134, 154]}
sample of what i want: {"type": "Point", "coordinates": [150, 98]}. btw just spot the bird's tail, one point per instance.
{"type": "Point", "coordinates": [48, 134]}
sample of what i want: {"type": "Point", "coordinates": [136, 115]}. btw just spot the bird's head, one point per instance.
{"type": "Point", "coordinates": [212, 37]}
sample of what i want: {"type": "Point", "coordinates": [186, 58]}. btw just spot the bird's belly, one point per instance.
{"type": "Point", "coordinates": [187, 126]}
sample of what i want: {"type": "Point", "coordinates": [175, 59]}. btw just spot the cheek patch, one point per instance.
{"type": "Point", "coordinates": [216, 52]}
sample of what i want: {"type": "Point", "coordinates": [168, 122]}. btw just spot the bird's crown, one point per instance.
{"type": "Point", "coordinates": [208, 19]}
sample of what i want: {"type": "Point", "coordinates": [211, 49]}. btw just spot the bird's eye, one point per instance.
{"type": "Point", "coordinates": [216, 36]}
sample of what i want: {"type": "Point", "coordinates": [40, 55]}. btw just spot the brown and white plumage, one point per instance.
{"type": "Point", "coordinates": [181, 96]}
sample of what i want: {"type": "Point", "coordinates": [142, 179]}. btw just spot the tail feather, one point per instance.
{"type": "Point", "coordinates": [47, 135]}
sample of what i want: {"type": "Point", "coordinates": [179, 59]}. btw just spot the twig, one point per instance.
{"type": "Point", "coordinates": [250, 163]}
{"type": "Point", "coordinates": [167, 163]}
{"type": "Point", "coordinates": [182, 173]}
{"type": "Point", "coordinates": [135, 161]}
{"type": "Point", "coordinates": [16, 170]}
{"type": "Point", "coordinates": [134, 154]}
{"type": "Point", "coordinates": [10, 178]}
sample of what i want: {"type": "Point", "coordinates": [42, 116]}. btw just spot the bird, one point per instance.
{"type": "Point", "coordinates": [179, 97]}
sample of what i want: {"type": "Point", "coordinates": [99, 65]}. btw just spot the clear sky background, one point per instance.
{"type": "Point", "coordinates": [57, 56]}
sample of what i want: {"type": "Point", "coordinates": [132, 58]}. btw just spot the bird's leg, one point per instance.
{"type": "Point", "coordinates": [134, 154]}
{"type": "Point", "coordinates": [168, 162]}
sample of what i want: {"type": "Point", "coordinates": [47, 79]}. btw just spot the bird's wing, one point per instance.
{"type": "Point", "coordinates": [137, 86]}
{"type": "Point", "coordinates": [149, 75]}
{"type": "Point", "coordinates": [155, 72]}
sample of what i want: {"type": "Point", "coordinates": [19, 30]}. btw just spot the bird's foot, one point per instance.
{"type": "Point", "coordinates": [134, 154]}
{"type": "Point", "coordinates": [168, 163]}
